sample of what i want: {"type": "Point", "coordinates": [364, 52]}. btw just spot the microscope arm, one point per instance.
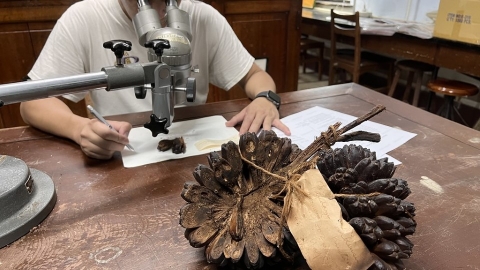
{"type": "Point", "coordinates": [30, 90]}
{"type": "Point", "coordinates": [110, 78]}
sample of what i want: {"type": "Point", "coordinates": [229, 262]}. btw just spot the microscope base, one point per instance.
{"type": "Point", "coordinates": [27, 196]}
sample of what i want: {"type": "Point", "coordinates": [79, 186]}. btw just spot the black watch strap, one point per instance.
{"type": "Point", "coordinates": [272, 97]}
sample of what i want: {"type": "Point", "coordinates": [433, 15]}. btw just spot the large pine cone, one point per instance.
{"type": "Point", "coordinates": [381, 220]}
{"type": "Point", "coordinates": [232, 211]}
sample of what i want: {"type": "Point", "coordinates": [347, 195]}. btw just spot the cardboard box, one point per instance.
{"type": "Point", "coordinates": [458, 20]}
{"type": "Point", "coordinates": [308, 3]}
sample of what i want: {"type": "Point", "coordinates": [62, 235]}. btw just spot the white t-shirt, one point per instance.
{"type": "Point", "coordinates": [75, 46]}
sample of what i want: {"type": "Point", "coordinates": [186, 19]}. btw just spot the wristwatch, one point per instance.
{"type": "Point", "coordinates": [271, 96]}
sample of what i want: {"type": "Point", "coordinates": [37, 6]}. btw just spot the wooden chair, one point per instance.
{"type": "Point", "coordinates": [415, 70]}
{"type": "Point", "coordinates": [353, 61]}
{"type": "Point", "coordinates": [450, 89]}
{"type": "Point", "coordinates": [477, 125]}
{"type": "Point", "coordinates": [306, 57]}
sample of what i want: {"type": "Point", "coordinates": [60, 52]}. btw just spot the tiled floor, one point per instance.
{"type": "Point", "coordinates": [310, 80]}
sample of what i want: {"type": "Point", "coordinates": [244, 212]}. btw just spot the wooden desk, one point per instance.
{"type": "Point", "coordinates": [110, 217]}
{"type": "Point", "coordinates": [458, 56]}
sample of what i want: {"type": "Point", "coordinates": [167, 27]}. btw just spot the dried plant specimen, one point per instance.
{"type": "Point", "coordinates": [177, 145]}
{"type": "Point", "coordinates": [165, 145]}
{"type": "Point", "coordinates": [233, 212]}
{"type": "Point", "coordinates": [236, 207]}
{"type": "Point", "coordinates": [376, 207]}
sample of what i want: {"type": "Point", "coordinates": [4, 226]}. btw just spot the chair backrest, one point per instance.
{"type": "Point", "coordinates": [345, 25]}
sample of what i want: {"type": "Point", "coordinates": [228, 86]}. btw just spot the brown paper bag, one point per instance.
{"type": "Point", "coordinates": [325, 239]}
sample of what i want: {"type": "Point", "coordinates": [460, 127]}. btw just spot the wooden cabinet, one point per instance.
{"type": "Point", "coordinates": [16, 59]}
{"type": "Point", "coordinates": [269, 30]}
{"type": "Point", "coordinates": [24, 28]}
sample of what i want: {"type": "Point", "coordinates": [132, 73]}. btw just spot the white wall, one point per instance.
{"type": "Point", "coordinates": [408, 10]}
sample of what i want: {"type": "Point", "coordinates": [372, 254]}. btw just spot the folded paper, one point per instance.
{"type": "Point", "coordinates": [194, 132]}
{"type": "Point", "coordinates": [325, 239]}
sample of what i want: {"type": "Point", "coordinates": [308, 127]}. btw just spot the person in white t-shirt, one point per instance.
{"type": "Point", "coordinates": [75, 46]}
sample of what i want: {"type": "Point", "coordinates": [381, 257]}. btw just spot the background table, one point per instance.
{"type": "Point", "coordinates": [111, 217]}
{"type": "Point", "coordinates": [459, 56]}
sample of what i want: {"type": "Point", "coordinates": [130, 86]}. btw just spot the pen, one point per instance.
{"type": "Point", "coordinates": [101, 119]}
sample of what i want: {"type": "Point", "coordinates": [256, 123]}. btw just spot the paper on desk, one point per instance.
{"type": "Point", "coordinates": [383, 27]}
{"type": "Point", "coordinates": [308, 124]}
{"type": "Point", "coordinates": [201, 136]}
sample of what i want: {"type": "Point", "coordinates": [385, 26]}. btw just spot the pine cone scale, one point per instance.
{"type": "Point", "coordinates": [201, 236]}
{"type": "Point", "coordinates": [194, 215]}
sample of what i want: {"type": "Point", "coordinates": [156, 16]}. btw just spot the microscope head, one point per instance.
{"type": "Point", "coordinates": [147, 24]}
{"type": "Point", "coordinates": [173, 72]}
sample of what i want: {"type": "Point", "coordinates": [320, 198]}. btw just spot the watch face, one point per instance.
{"type": "Point", "coordinates": [274, 97]}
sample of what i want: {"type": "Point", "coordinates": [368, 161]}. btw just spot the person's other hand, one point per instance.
{"type": "Point", "coordinates": [98, 141]}
{"type": "Point", "coordinates": [259, 113]}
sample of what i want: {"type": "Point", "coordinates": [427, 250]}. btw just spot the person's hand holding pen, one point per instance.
{"type": "Point", "coordinates": [98, 140]}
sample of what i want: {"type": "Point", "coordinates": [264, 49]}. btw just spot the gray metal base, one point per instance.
{"type": "Point", "coordinates": [27, 196]}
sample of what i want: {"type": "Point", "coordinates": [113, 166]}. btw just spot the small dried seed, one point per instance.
{"type": "Point", "coordinates": [179, 146]}
{"type": "Point", "coordinates": [165, 145]}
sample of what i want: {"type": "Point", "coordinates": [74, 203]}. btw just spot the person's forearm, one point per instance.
{"type": "Point", "coordinates": [257, 81]}
{"type": "Point", "coordinates": [53, 116]}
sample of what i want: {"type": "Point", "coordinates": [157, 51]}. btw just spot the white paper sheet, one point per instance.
{"type": "Point", "coordinates": [308, 124]}
{"type": "Point", "coordinates": [208, 128]}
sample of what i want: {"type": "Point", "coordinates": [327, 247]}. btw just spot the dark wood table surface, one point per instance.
{"type": "Point", "coordinates": [459, 56]}
{"type": "Point", "coordinates": [110, 217]}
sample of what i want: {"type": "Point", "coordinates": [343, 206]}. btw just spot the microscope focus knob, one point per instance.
{"type": "Point", "coordinates": [191, 89]}
{"type": "Point", "coordinates": [119, 47]}
{"type": "Point", "coordinates": [140, 92]}
{"type": "Point", "coordinates": [156, 125]}
{"type": "Point", "coordinates": [158, 45]}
